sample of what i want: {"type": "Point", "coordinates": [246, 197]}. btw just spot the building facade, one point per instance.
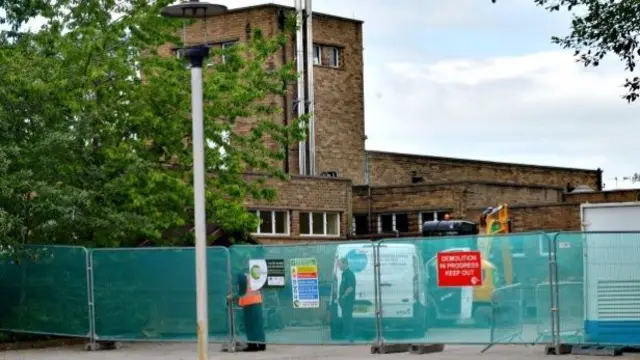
{"type": "Point", "coordinates": [359, 192]}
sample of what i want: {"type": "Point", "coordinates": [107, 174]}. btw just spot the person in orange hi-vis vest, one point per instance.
{"type": "Point", "coordinates": [250, 300]}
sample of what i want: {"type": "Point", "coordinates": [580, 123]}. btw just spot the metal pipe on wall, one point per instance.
{"type": "Point", "coordinates": [310, 89]}
{"type": "Point", "coordinates": [302, 148]}
{"type": "Point", "coordinates": [282, 19]}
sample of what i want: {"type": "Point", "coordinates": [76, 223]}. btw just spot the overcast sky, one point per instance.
{"type": "Point", "coordinates": [472, 79]}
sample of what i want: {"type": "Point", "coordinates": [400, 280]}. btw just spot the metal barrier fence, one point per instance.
{"type": "Point", "coordinates": [533, 288]}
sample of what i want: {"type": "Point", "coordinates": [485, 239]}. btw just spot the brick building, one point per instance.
{"type": "Point", "coordinates": [372, 192]}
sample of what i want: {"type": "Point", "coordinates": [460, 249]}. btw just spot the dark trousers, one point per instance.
{"type": "Point", "coordinates": [254, 327]}
{"type": "Point", "coordinates": [347, 321]}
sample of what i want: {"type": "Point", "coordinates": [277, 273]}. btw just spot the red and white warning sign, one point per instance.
{"type": "Point", "coordinates": [459, 268]}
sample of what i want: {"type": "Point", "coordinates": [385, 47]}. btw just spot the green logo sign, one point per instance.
{"type": "Point", "coordinates": [255, 272]}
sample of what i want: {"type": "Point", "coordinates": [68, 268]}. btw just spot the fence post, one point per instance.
{"type": "Point", "coordinates": [556, 291]}
{"type": "Point", "coordinates": [556, 347]}
{"type": "Point", "coordinates": [93, 344]}
{"type": "Point", "coordinates": [231, 345]}
{"type": "Point", "coordinates": [492, 330]}
{"type": "Point", "coordinates": [377, 294]}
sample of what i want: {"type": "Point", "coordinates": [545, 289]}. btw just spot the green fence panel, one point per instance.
{"type": "Point", "coordinates": [604, 309]}
{"type": "Point", "coordinates": [150, 294]}
{"type": "Point", "coordinates": [415, 307]}
{"type": "Point", "coordinates": [544, 325]}
{"type": "Point", "coordinates": [508, 315]}
{"type": "Point", "coordinates": [44, 290]}
{"type": "Point", "coordinates": [304, 309]}
{"type": "Point", "coordinates": [570, 287]}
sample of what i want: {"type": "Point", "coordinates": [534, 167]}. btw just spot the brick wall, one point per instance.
{"type": "Point", "coordinates": [304, 194]}
{"type": "Point", "coordinates": [550, 217]}
{"type": "Point", "coordinates": [455, 198]}
{"type": "Point", "coordinates": [339, 92]}
{"type": "Point", "coordinates": [339, 105]}
{"type": "Point", "coordinates": [603, 196]}
{"type": "Point", "coordinates": [487, 194]}
{"type": "Point", "coordinates": [396, 169]}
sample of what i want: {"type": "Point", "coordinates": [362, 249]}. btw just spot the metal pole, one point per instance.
{"type": "Point", "coordinates": [556, 292]}
{"type": "Point", "coordinates": [552, 302]}
{"type": "Point", "coordinates": [196, 55]}
{"type": "Point", "coordinates": [378, 294]}
{"type": "Point", "coordinates": [302, 145]}
{"type": "Point", "coordinates": [310, 89]}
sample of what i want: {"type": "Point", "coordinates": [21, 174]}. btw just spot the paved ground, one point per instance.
{"type": "Point", "coordinates": [187, 352]}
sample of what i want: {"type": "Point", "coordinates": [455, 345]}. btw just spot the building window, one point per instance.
{"type": "Point", "coordinates": [272, 222]}
{"type": "Point", "coordinates": [320, 224]}
{"type": "Point", "coordinates": [226, 45]}
{"type": "Point", "coordinates": [360, 224]}
{"type": "Point", "coordinates": [334, 60]}
{"type": "Point", "coordinates": [431, 216]}
{"type": "Point", "coordinates": [393, 222]}
{"type": "Point", "coordinates": [317, 55]}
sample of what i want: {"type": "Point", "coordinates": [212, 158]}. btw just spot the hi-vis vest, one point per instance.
{"type": "Point", "coordinates": [252, 297]}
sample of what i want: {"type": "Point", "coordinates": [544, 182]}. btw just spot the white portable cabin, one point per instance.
{"type": "Point", "coordinates": [612, 273]}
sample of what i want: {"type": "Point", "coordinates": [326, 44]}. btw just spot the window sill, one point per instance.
{"type": "Point", "coordinates": [269, 235]}
{"type": "Point", "coordinates": [319, 236]}
{"type": "Point", "coordinates": [339, 68]}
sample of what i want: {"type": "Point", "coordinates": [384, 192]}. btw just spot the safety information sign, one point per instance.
{"type": "Point", "coordinates": [304, 283]}
{"type": "Point", "coordinates": [459, 268]}
{"type": "Point", "coordinates": [275, 273]}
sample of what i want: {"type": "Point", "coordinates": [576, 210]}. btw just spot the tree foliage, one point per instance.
{"type": "Point", "coordinates": [95, 126]}
{"type": "Point", "coordinates": [599, 28]}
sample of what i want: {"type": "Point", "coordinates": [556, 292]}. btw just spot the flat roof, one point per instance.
{"type": "Point", "coordinates": [475, 161]}
{"type": "Point", "coordinates": [278, 6]}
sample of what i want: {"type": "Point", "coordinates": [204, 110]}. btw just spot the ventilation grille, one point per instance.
{"type": "Point", "coordinates": [618, 300]}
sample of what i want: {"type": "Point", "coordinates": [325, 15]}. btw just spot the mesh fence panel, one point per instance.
{"type": "Point", "coordinates": [150, 294]}
{"type": "Point", "coordinates": [495, 312]}
{"type": "Point", "coordinates": [570, 287]}
{"type": "Point", "coordinates": [544, 325]}
{"type": "Point", "coordinates": [45, 291]}
{"type": "Point", "coordinates": [304, 310]}
{"type": "Point", "coordinates": [610, 279]}
{"type": "Point", "coordinates": [507, 313]}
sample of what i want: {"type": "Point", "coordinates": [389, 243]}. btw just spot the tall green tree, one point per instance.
{"type": "Point", "coordinates": [95, 126]}
{"type": "Point", "coordinates": [600, 28]}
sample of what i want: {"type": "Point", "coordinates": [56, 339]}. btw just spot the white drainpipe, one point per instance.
{"type": "Point", "coordinates": [310, 91]}
{"type": "Point", "coordinates": [301, 98]}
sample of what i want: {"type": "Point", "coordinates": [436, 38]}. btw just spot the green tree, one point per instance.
{"type": "Point", "coordinates": [600, 28]}
{"type": "Point", "coordinates": [95, 126]}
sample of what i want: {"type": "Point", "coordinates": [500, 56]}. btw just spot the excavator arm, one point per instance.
{"type": "Point", "coordinates": [495, 220]}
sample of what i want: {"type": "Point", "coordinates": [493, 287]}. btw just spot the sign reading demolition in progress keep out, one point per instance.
{"type": "Point", "coordinates": [459, 268]}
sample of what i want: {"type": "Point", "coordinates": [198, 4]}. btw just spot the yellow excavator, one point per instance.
{"type": "Point", "coordinates": [496, 250]}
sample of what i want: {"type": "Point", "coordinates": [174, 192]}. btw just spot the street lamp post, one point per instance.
{"type": "Point", "coordinates": [194, 9]}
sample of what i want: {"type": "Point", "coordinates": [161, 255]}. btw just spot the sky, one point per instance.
{"type": "Point", "coordinates": [472, 79]}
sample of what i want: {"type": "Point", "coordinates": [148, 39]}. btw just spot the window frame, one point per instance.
{"type": "Point", "coordinates": [355, 225]}
{"type": "Point", "coordinates": [324, 223]}
{"type": "Point", "coordinates": [335, 54]}
{"type": "Point", "coordinates": [393, 222]}
{"type": "Point", "coordinates": [273, 223]}
{"type": "Point", "coordinates": [226, 45]}
{"type": "Point", "coordinates": [319, 48]}
{"type": "Point", "coordinates": [432, 212]}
